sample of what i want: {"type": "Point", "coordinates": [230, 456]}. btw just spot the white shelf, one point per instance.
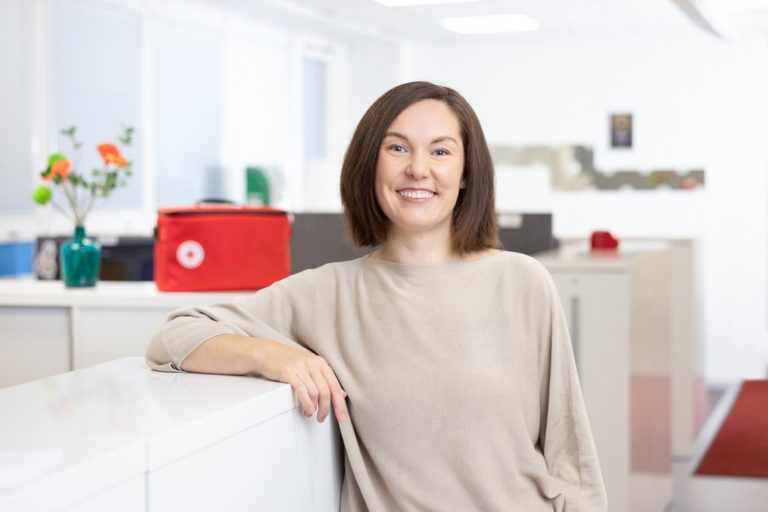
{"type": "Point", "coordinates": [31, 292]}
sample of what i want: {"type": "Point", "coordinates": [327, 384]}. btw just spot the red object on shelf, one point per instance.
{"type": "Point", "coordinates": [603, 240]}
{"type": "Point", "coordinates": [221, 247]}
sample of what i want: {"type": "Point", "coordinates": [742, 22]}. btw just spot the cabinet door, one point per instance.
{"type": "Point", "coordinates": [129, 496]}
{"type": "Point", "coordinates": [289, 463]}
{"type": "Point", "coordinates": [598, 309]}
{"type": "Point", "coordinates": [34, 343]}
{"type": "Point", "coordinates": [107, 333]}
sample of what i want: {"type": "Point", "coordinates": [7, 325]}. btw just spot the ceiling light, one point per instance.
{"type": "Point", "coordinates": [408, 3]}
{"type": "Point", "coordinates": [490, 24]}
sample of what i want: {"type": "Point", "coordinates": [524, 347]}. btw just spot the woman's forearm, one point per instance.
{"type": "Point", "coordinates": [314, 382]}
{"type": "Point", "coordinates": [229, 354]}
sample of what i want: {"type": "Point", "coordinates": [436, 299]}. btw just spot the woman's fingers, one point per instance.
{"type": "Point", "coordinates": [302, 393]}
{"type": "Point", "coordinates": [338, 395]}
{"type": "Point", "coordinates": [324, 394]}
{"type": "Point", "coordinates": [316, 386]}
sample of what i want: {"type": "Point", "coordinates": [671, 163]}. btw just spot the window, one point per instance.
{"type": "Point", "coordinates": [187, 112]}
{"type": "Point", "coordinates": [95, 61]}
{"type": "Point", "coordinates": [16, 89]}
{"type": "Point", "coordinates": [257, 108]}
{"type": "Point", "coordinates": [315, 108]}
{"type": "Point", "coordinates": [325, 116]}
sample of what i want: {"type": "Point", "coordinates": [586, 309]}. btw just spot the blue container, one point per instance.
{"type": "Point", "coordinates": [16, 258]}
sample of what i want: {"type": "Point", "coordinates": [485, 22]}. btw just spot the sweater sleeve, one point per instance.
{"type": "Point", "coordinates": [267, 313]}
{"type": "Point", "coordinates": [565, 436]}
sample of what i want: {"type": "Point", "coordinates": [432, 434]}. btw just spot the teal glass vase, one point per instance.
{"type": "Point", "coordinates": [80, 260]}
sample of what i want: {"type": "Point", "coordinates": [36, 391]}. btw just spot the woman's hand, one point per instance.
{"type": "Point", "coordinates": [310, 376]}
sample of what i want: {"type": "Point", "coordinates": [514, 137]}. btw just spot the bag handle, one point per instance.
{"type": "Point", "coordinates": [215, 201]}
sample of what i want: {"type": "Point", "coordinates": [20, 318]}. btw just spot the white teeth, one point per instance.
{"type": "Point", "coordinates": [416, 194]}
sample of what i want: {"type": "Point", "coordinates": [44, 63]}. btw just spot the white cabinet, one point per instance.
{"type": "Point", "coordinates": [262, 468]}
{"type": "Point", "coordinates": [33, 343]}
{"type": "Point", "coordinates": [128, 496]}
{"type": "Point", "coordinates": [119, 437]}
{"type": "Point", "coordinates": [47, 329]}
{"type": "Point", "coordinates": [619, 307]}
{"type": "Point", "coordinates": [103, 333]}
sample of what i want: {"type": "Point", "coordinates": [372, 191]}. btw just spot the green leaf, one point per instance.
{"type": "Point", "coordinates": [127, 135]}
{"type": "Point", "coordinates": [111, 181]}
{"type": "Point", "coordinates": [77, 180]}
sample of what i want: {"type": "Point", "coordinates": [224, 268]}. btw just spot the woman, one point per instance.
{"type": "Point", "coordinates": [447, 361]}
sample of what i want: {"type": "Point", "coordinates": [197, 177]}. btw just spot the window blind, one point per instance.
{"type": "Point", "coordinates": [187, 91]}
{"type": "Point", "coordinates": [16, 55]}
{"type": "Point", "coordinates": [95, 57]}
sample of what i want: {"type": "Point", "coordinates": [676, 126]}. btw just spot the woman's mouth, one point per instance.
{"type": "Point", "coordinates": [416, 194]}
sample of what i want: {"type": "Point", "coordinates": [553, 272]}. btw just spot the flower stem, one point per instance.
{"type": "Point", "coordinates": [62, 210]}
{"type": "Point", "coordinates": [68, 191]}
{"type": "Point", "coordinates": [91, 200]}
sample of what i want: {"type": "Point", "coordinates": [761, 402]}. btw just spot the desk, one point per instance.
{"type": "Point", "coordinates": [75, 328]}
{"type": "Point", "coordinates": [119, 437]}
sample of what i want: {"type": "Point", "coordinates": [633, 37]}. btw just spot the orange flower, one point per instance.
{"type": "Point", "coordinates": [111, 155]}
{"type": "Point", "coordinates": [58, 168]}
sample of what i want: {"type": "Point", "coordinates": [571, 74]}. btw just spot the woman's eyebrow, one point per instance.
{"type": "Point", "coordinates": [444, 139]}
{"type": "Point", "coordinates": [434, 141]}
{"type": "Point", "coordinates": [395, 134]}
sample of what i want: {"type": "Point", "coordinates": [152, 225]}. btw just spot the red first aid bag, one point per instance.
{"type": "Point", "coordinates": [221, 247]}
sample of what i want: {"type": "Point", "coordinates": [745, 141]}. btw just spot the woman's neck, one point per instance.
{"type": "Point", "coordinates": [414, 252]}
{"type": "Point", "coordinates": [407, 254]}
{"type": "Point", "coordinates": [411, 246]}
{"type": "Point", "coordinates": [421, 248]}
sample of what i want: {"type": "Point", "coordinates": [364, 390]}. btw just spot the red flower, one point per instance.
{"type": "Point", "coordinates": [111, 155]}
{"type": "Point", "coordinates": [58, 168]}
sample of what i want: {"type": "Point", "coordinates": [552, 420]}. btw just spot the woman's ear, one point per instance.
{"type": "Point", "coordinates": [463, 183]}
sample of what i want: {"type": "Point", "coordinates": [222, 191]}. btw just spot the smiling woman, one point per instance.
{"type": "Point", "coordinates": [447, 362]}
{"type": "Point", "coordinates": [420, 171]}
{"type": "Point", "coordinates": [425, 138]}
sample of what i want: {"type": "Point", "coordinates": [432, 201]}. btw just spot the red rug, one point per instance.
{"type": "Point", "coordinates": [740, 448]}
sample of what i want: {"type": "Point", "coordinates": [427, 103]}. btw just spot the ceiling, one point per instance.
{"type": "Point", "coordinates": [557, 18]}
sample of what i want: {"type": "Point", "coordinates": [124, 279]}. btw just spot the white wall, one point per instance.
{"type": "Point", "coordinates": [697, 104]}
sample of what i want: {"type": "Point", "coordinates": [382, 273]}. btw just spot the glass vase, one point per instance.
{"type": "Point", "coordinates": [80, 260]}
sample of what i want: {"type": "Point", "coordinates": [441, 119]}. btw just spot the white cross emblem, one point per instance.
{"type": "Point", "coordinates": [190, 254]}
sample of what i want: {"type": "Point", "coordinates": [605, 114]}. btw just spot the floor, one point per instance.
{"type": "Point", "coordinates": [715, 494]}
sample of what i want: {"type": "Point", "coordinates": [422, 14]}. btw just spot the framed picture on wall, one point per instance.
{"type": "Point", "coordinates": [621, 130]}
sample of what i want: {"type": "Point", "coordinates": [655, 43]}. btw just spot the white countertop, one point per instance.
{"type": "Point", "coordinates": [103, 424]}
{"type": "Point", "coordinates": [31, 292]}
{"type": "Point", "coordinates": [579, 256]}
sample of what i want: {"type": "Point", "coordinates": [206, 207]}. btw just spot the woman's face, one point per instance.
{"type": "Point", "coordinates": [419, 169]}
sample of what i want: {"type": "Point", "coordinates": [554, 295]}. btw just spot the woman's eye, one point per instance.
{"type": "Point", "coordinates": [397, 148]}
{"type": "Point", "coordinates": [440, 152]}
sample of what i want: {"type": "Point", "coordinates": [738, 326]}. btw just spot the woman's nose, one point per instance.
{"type": "Point", "coordinates": [418, 166]}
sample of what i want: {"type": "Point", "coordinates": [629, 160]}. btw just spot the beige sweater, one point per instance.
{"type": "Point", "coordinates": [463, 393]}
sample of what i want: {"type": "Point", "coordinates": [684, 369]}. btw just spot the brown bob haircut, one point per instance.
{"type": "Point", "coordinates": [473, 227]}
